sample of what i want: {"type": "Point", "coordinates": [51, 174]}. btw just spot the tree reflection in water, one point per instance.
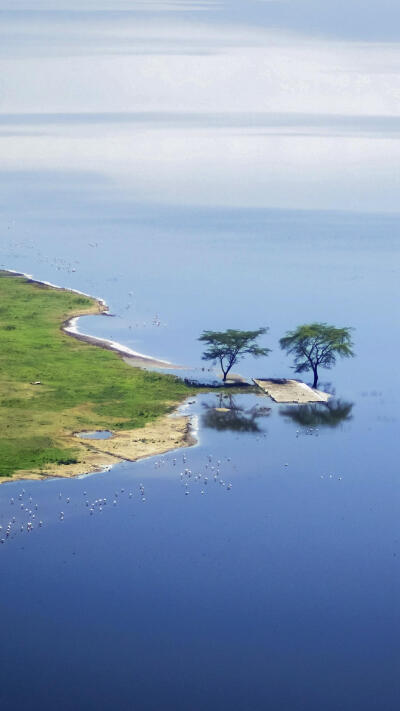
{"type": "Point", "coordinates": [330, 414]}
{"type": "Point", "coordinates": [225, 414]}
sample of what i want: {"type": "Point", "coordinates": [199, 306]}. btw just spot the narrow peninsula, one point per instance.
{"type": "Point", "coordinates": [53, 386]}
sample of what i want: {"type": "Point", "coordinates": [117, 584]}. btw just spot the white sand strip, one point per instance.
{"type": "Point", "coordinates": [71, 326]}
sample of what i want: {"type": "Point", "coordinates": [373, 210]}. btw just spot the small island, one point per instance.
{"type": "Point", "coordinates": [54, 386]}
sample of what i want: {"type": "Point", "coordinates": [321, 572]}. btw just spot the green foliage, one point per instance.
{"type": "Point", "coordinates": [39, 451]}
{"type": "Point", "coordinates": [229, 346]}
{"type": "Point", "coordinates": [82, 386]}
{"type": "Point", "coordinates": [317, 344]}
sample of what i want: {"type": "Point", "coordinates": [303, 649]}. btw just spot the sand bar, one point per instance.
{"type": "Point", "coordinates": [149, 362]}
{"type": "Point", "coordinates": [283, 390]}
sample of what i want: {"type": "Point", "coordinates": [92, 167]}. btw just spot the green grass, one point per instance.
{"type": "Point", "coordinates": [83, 386]}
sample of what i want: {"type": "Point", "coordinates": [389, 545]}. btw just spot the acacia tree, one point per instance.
{"type": "Point", "coordinates": [317, 344]}
{"type": "Point", "coordinates": [229, 346]}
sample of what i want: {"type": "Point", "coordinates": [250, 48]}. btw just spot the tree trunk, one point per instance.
{"type": "Point", "coordinates": [224, 373]}
{"type": "Point", "coordinates": [315, 383]}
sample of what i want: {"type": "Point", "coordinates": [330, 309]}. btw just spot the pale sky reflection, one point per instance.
{"type": "Point", "coordinates": [179, 110]}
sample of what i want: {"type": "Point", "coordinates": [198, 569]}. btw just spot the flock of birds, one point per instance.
{"type": "Point", "coordinates": [212, 473]}
{"type": "Point", "coordinates": [14, 248]}
{"type": "Point", "coordinates": [308, 431]}
{"type": "Point", "coordinates": [26, 517]}
{"type": "Point", "coordinates": [24, 514]}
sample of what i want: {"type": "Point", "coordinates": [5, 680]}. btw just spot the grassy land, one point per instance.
{"type": "Point", "coordinates": [82, 386]}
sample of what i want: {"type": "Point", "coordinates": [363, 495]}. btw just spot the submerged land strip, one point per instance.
{"type": "Point", "coordinates": [291, 391]}
{"type": "Point", "coordinates": [53, 386]}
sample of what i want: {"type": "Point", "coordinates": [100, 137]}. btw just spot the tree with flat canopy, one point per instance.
{"type": "Point", "coordinates": [227, 347]}
{"type": "Point", "coordinates": [317, 345]}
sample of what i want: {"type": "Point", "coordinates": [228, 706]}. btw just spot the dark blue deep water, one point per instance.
{"type": "Point", "coordinates": [278, 586]}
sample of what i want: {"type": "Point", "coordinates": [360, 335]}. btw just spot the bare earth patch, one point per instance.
{"type": "Point", "coordinates": [291, 391]}
{"type": "Point", "coordinates": [158, 437]}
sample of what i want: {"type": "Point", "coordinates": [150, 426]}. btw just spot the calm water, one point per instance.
{"type": "Point", "coordinates": [277, 588]}
{"type": "Point", "coordinates": [99, 434]}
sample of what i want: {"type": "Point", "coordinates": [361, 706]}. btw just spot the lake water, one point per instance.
{"type": "Point", "coordinates": [274, 585]}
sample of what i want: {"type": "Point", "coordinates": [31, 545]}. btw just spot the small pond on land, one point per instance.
{"type": "Point", "coordinates": [97, 434]}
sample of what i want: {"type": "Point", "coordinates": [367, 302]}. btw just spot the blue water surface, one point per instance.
{"type": "Point", "coordinates": [275, 589]}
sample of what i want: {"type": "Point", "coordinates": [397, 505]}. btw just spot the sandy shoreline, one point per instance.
{"type": "Point", "coordinates": [138, 359]}
{"type": "Point", "coordinates": [70, 326]}
{"type": "Point", "coordinates": [158, 437]}
{"type": "Point", "coordinates": [163, 435]}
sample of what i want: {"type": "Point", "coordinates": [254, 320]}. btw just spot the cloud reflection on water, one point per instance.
{"type": "Point", "coordinates": [194, 102]}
